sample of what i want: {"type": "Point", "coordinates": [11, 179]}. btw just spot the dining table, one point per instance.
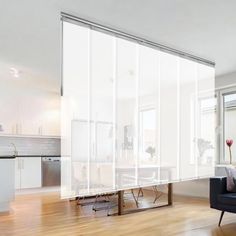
{"type": "Point", "coordinates": [123, 171]}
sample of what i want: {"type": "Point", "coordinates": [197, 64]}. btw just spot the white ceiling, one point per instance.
{"type": "Point", "coordinates": [30, 30]}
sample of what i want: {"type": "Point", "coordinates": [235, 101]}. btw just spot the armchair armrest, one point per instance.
{"type": "Point", "coordinates": [217, 186]}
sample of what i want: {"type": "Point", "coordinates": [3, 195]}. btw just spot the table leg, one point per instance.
{"type": "Point", "coordinates": [120, 202]}
{"type": "Point", "coordinates": [170, 194]}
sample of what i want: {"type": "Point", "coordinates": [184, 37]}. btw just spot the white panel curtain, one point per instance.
{"type": "Point", "coordinates": [132, 115]}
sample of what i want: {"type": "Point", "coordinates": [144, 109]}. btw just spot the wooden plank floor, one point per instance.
{"type": "Point", "coordinates": [46, 214]}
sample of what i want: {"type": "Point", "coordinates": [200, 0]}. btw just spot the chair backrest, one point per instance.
{"type": "Point", "coordinates": [217, 186]}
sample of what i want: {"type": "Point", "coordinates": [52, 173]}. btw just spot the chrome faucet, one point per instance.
{"type": "Point", "coordinates": [15, 150]}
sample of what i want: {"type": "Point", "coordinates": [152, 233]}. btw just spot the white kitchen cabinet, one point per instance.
{"type": "Point", "coordinates": [40, 115]}
{"type": "Point", "coordinates": [51, 116]}
{"type": "Point", "coordinates": [49, 128]}
{"type": "Point", "coordinates": [29, 111]}
{"type": "Point", "coordinates": [31, 176]}
{"type": "Point", "coordinates": [30, 116]}
{"type": "Point", "coordinates": [7, 191]}
{"type": "Point", "coordinates": [28, 172]}
{"type": "Point", "coordinates": [8, 113]}
{"type": "Point", "coordinates": [17, 173]}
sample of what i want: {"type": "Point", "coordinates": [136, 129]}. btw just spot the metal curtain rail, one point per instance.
{"type": "Point", "coordinates": [93, 25]}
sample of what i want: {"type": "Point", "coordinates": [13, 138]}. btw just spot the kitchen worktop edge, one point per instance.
{"type": "Point", "coordinates": [13, 156]}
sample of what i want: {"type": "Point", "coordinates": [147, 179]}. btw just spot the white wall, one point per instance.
{"type": "Point", "coordinates": [226, 80]}
{"type": "Point", "coordinates": [194, 188]}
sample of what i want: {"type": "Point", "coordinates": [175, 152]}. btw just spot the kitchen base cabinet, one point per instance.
{"type": "Point", "coordinates": [31, 172]}
{"type": "Point", "coordinates": [17, 173]}
{"type": "Point", "coordinates": [7, 192]}
{"type": "Point", "coordinates": [28, 172]}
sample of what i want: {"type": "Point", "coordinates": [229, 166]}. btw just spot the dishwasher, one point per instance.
{"type": "Point", "coordinates": [51, 171]}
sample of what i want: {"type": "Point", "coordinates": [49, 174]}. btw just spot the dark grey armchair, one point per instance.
{"type": "Point", "coordinates": [220, 198]}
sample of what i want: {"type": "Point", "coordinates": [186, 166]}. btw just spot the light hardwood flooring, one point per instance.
{"type": "Point", "coordinates": [46, 214]}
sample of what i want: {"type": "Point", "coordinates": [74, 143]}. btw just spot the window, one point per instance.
{"type": "Point", "coordinates": [206, 142]}
{"type": "Point", "coordinates": [228, 117]}
{"type": "Point", "coordinates": [147, 133]}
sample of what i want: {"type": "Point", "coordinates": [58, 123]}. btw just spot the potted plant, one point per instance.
{"type": "Point", "coordinates": [203, 145]}
{"type": "Point", "coordinates": [151, 150]}
{"type": "Point", "coordinates": [229, 143]}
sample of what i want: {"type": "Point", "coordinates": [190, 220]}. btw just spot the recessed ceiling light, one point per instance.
{"type": "Point", "coordinates": [14, 72]}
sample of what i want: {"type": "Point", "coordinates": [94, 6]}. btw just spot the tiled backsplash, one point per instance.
{"type": "Point", "coordinates": [30, 146]}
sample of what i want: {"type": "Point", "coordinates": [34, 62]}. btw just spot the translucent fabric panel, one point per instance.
{"type": "Point", "coordinates": [206, 122]}
{"type": "Point", "coordinates": [132, 115]}
{"type": "Point", "coordinates": [75, 110]}
{"type": "Point", "coordinates": [149, 150]}
{"type": "Point", "coordinates": [187, 112]}
{"type": "Point", "coordinates": [169, 117]}
{"type": "Point", "coordinates": [101, 107]}
{"type": "Point", "coordinates": [80, 156]}
{"type": "Point", "coordinates": [126, 114]}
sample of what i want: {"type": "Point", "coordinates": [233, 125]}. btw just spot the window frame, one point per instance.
{"type": "Point", "coordinates": [141, 111]}
{"type": "Point", "coordinates": [220, 93]}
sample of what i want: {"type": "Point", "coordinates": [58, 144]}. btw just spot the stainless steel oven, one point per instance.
{"type": "Point", "coordinates": [51, 171]}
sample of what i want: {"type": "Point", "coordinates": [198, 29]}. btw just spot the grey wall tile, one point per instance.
{"type": "Point", "coordinates": [30, 146]}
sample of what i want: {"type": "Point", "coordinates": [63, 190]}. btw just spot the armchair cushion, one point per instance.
{"type": "Point", "coordinates": [227, 199]}
{"type": "Point", "coordinates": [231, 178]}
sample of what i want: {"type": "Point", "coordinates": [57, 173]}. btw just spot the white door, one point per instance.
{"type": "Point", "coordinates": [17, 172]}
{"type": "Point", "coordinates": [31, 172]}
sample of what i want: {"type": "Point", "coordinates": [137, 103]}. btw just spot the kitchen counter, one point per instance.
{"type": "Point", "coordinates": [13, 156]}
{"type": "Point", "coordinates": [7, 182]}
{"type": "Point", "coordinates": [7, 157]}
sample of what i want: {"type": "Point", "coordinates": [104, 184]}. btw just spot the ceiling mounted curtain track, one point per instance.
{"type": "Point", "coordinates": [118, 33]}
